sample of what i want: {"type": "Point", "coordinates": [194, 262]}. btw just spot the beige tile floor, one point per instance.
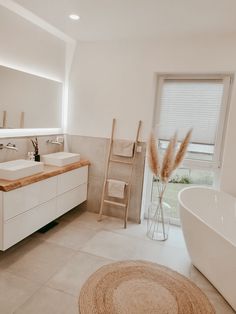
{"type": "Point", "coordinates": [44, 273]}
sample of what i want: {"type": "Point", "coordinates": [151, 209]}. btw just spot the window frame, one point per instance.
{"type": "Point", "coordinates": [227, 79]}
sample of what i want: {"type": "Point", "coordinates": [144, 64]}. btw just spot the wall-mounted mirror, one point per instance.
{"type": "Point", "coordinates": [29, 101]}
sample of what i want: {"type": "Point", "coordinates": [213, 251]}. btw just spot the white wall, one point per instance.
{"type": "Point", "coordinates": [116, 79]}
{"type": "Point", "coordinates": [26, 46]}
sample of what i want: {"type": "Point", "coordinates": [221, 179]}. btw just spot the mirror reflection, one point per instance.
{"type": "Point", "coordinates": [29, 101]}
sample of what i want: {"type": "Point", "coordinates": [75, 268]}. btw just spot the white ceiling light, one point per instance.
{"type": "Point", "coordinates": [74, 17]}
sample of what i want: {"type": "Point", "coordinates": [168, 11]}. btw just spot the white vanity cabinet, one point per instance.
{"type": "Point", "coordinates": [26, 209]}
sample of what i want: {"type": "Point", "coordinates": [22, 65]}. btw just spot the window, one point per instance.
{"type": "Point", "coordinates": [195, 102]}
{"type": "Point", "coordinates": [198, 102]}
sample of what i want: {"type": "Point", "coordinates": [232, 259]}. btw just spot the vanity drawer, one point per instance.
{"type": "Point", "coordinates": [69, 200]}
{"type": "Point", "coordinates": [71, 179]}
{"type": "Point", "coordinates": [19, 227]}
{"type": "Point", "coordinates": [48, 189]}
{"type": "Point", "coordinates": [20, 200]}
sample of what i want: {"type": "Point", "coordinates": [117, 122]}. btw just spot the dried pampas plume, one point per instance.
{"type": "Point", "coordinates": [182, 150]}
{"type": "Point", "coordinates": [153, 158]}
{"type": "Point", "coordinates": [168, 160]}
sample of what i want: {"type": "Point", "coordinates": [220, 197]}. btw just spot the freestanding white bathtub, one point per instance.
{"type": "Point", "coordinates": [208, 219]}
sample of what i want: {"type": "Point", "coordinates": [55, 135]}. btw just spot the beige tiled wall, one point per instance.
{"type": "Point", "coordinates": [96, 150]}
{"type": "Point", "coordinates": [24, 145]}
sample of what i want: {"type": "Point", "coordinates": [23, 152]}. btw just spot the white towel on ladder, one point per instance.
{"type": "Point", "coordinates": [123, 148]}
{"type": "Point", "coordinates": [116, 188]}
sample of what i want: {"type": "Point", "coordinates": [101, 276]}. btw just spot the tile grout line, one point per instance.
{"type": "Point", "coordinates": [41, 285]}
{"type": "Point", "coordinates": [79, 251]}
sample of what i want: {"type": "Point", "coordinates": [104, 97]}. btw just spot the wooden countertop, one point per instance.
{"type": "Point", "coordinates": [49, 171]}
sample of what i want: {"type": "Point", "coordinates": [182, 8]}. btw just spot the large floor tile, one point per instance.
{"type": "Point", "coordinates": [14, 291]}
{"type": "Point", "coordinates": [49, 301]}
{"type": "Point", "coordinates": [73, 275]}
{"type": "Point", "coordinates": [37, 260]}
{"type": "Point", "coordinates": [175, 258]}
{"type": "Point", "coordinates": [176, 238]}
{"type": "Point", "coordinates": [90, 220]}
{"type": "Point", "coordinates": [118, 247]}
{"type": "Point", "coordinates": [68, 235]}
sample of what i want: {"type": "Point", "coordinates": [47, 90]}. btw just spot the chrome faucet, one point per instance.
{"type": "Point", "coordinates": [9, 146]}
{"type": "Point", "coordinates": [58, 141]}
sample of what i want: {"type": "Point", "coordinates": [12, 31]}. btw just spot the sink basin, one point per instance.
{"type": "Point", "coordinates": [20, 168]}
{"type": "Point", "coordinates": [60, 159]}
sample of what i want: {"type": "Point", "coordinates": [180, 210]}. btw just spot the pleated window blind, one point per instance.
{"type": "Point", "coordinates": [188, 104]}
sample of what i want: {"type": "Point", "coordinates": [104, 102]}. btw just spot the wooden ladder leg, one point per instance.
{"type": "Point", "coordinates": [131, 174]}
{"type": "Point", "coordinates": [102, 201]}
{"type": "Point", "coordinates": [126, 217]}
{"type": "Point", "coordinates": [127, 207]}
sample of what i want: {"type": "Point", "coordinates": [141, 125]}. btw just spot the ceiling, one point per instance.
{"type": "Point", "coordinates": [137, 19]}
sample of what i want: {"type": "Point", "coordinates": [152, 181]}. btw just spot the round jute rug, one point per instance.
{"type": "Point", "coordinates": [138, 287]}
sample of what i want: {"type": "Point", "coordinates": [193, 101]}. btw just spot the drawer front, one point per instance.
{"type": "Point", "coordinates": [20, 200]}
{"type": "Point", "coordinates": [48, 189]}
{"type": "Point", "coordinates": [71, 179]}
{"type": "Point", "coordinates": [69, 200]}
{"type": "Point", "coordinates": [21, 226]}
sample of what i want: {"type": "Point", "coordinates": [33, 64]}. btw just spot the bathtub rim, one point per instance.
{"type": "Point", "coordinates": [198, 217]}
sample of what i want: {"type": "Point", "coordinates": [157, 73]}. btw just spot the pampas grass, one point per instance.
{"type": "Point", "coordinates": [170, 161]}
{"type": "Point", "coordinates": [153, 155]}
{"type": "Point", "coordinates": [182, 150]}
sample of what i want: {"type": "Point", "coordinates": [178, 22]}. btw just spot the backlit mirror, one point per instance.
{"type": "Point", "coordinates": [29, 101]}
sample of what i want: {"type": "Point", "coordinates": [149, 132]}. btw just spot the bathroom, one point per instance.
{"type": "Point", "coordinates": [75, 75]}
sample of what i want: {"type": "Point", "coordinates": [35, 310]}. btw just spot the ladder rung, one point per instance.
{"type": "Point", "coordinates": [122, 161]}
{"type": "Point", "coordinates": [115, 203]}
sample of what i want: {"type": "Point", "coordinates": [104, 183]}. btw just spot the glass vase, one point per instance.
{"type": "Point", "coordinates": [158, 223]}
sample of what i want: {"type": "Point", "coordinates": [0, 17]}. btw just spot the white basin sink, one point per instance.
{"type": "Point", "coordinates": [60, 159]}
{"type": "Point", "coordinates": [20, 168]}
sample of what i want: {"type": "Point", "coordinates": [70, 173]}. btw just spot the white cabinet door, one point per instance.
{"type": "Point", "coordinates": [20, 200]}
{"type": "Point", "coordinates": [19, 227]}
{"type": "Point", "coordinates": [70, 199]}
{"type": "Point", "coordinates": [71, 179]}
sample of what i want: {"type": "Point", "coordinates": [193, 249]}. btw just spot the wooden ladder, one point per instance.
{"type": "Point", "coordinates": [129, 161]}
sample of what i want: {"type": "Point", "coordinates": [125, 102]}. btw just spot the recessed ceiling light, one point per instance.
{"type": "Point", "coordinates": [74, 17]}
